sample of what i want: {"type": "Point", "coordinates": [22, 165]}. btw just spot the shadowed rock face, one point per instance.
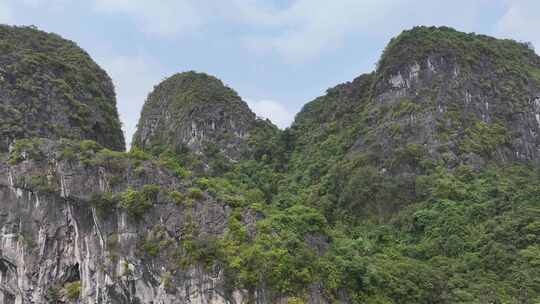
{"type": "Point", "coordinates": [197, 111]}
{"type": "Point", "coordinates": [51, 88]}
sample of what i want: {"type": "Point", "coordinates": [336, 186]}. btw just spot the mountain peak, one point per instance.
{"type": "Point", "coordinates": [195, 110]}
{"type": "Point", "coordinates": [51, 88]}
{"type": "Point", "coordinates": [421, 42]}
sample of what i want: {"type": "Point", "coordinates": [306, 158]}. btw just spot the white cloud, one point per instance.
{"type": "Point", "coordinates": [45, 3]}
{"type": "Point", "coordinates": [273, 110]}
{"type": "Point", "coordinates": [6, 13]}
{"type": "Point", "coordinates": [8, 8]}
{"type": "Point", "coordinates": [298, 31]}
{"type": "Point", "coordinates": [521, 21]}
{"type": "Point", "coordinates": [308, 27]}
{"type": "Point", "coordinates": [168, 17]}
{"type": "Point", "coordinates": [172, 17]}
{"type": "Point", "coordinates": [134, 77]}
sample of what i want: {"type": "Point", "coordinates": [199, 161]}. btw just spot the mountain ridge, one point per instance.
{"type": "Point", "coordinates": [401, 186]}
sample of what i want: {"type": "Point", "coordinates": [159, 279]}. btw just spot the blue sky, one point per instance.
{"type": "Point", "coordinates": [277, 54]}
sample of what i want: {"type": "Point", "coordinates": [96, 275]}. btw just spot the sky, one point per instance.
{"type": "Point", "coordinates": [277, 54]}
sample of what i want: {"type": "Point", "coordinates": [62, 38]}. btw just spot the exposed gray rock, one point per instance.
{"type": "Point", "coordinates": [197, 111]}
{"type": "Point", "coordinates": [451, 114]}
{"type": "Point", "coordinates": [48, 239]}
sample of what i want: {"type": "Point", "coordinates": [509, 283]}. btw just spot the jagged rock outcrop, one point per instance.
{"type": "Point", "coordinates": [60, 225]}
{"type": "Point", "coordinates": [196, 111]}
{"type": "Point", "coordinates": [83, 224]}
{"type": "Point", "coordinates": [51, 88]}
{"type": "Point", "coordinates": [459, 98]}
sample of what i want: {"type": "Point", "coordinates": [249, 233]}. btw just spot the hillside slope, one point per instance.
{"type": "Point", "coordinates": [49, 87]}
{"type": "Point", "coordinates": [439, 97]}
{"type": "Point", "coordinates": [196, 111]}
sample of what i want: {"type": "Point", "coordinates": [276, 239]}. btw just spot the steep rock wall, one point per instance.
{"type": "Point", "coordinates": [56, 237]}
{"type": "Point", "coordinates": [61, 224]}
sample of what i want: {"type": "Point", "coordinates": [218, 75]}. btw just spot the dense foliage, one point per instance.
{"type": "Point", "coordinates": [469, 48]}
{"type": "Point", "coordinates": [468, 236]}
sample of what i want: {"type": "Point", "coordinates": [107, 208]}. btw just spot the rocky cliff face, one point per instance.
{"type": "Point", "coordinates": [196, 111]}
{"type": "Point", "coordinates": [438, 94]}
{"type": "Point", "coordinates": [66, 236]}
{"type": "Point", "coordinates": [95, 226]}
{"type": "Point", "coordinates": [80, 223]}
{"type": "Point", "coordinates": [438, 98]}
{"type": "Point", "coordinates": [61, 229]}
{"type": "Point", "coordinates": [459, 98]}
{"type": "Point", "coordinates": [51, 88]}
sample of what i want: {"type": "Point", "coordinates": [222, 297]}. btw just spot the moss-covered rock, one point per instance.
{"type": "Point", "coordinates": [51, 88]}
{"type": "Point", "coordinates": [196, 111]}
{"type": "Point", "coordinates": [455, 82]}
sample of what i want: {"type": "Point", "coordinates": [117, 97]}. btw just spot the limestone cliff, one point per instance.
{"type": "Point", "coordinates": [51, 88]}
{"type": "Point", "coordinates": [438, 98]}
{"type": "Point", "coordinates": [458, 98]}
{"type": "Point", "coordinates": [437, 94]}
{"type": "Point", "coordinates": [196, 111]}
{"type": "Point", "coordinates": [61, 225]}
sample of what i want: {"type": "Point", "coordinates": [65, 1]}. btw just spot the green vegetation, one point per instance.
{"type": "Point", "coordinates": [104, 203]}
{"type": "Point", "coordinates": [173, 162]}
{"type": "Point", "coordinates": [191, 87]}
{"type": "Point", "coordinates": [49, 80]}
{"type": "Point", "coordinates": [465, 233]}
{"type": "Point", "coordinates": [41, 184]}
{"type": "Point", "coordinates": [484, 139]}
{"type": "Point", "coordinates": [156, 242]}
{"type": "Point", "coordinates": [195, 193]}
{"type": "Point", "coordinates": [384, 224]}
{"type": "Point", "coordinates": [136, 203]}
{"type": "Point", "coordinates": [73, 290]}
{"type": "Point", "coordinates": [185, 93]}
{"type": "Point", "coordinates": [53, 294]}
{"type": "Point", "coordinates": [177, 197]}
{"type": "Point", "coordinates": [405, 107]}
{"type": "Point", "coordinates": [277, 257]}
{"type": "Point", "coordinates": [420, 42]}
{"type": "Point", "coordinates": [26, 149]}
